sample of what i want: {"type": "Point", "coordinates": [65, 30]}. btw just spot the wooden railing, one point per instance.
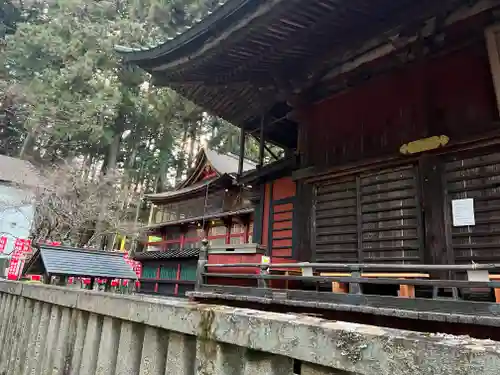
{"type": "Point", "coordinates": [416, 292]}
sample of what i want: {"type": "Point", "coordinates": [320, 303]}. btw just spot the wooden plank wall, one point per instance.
{"type": "Point", "coordinates": [451, 95]}
{"type": "Point", "coordinates": [477, 177]}
{"type": "Point", "coordinates": [404, 215]}
{"type": "Point", "coordinates": [369, 217]}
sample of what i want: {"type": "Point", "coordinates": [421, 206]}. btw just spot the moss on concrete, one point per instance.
{"type": "Point", "coordinates": [351, 345]}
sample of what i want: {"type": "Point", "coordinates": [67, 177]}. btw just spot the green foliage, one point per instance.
{"type": "Point", "coordinates": [65, 95]}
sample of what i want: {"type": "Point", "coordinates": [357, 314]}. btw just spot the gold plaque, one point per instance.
{"type": "Point", "coordinates": [425, 144]}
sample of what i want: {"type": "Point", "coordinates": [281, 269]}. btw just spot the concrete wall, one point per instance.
{"type": "Point", "coordinates": [16, 214]}
{"type": "Point", "coordinates": [51, 330]}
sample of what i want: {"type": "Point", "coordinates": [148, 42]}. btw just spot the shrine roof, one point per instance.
{"type": "Point", "coordinates": [252, 57]}
{"type": "Point", "coordinates": [223, 168]}
{"type": "Point", "coordinates": [67, 261]}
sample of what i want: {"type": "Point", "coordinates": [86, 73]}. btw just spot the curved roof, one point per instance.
{"type": "Point", "coordinates": [221, 163]}
{"type": "Point", "coordinates": [250, 57]}
{"type": "Point", "coordinates": [225, 167]}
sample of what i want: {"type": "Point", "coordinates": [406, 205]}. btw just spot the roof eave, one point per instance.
{"type": "Point", "coordinates": [271, 171]}
{"type": "Point", "coordinates": [218, 183]}
{"type": "Point", "coordinates": [152, 227]}
{"type": "Point", "coordinates": [194, 37]}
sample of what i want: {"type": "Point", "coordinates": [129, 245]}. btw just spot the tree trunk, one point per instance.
{"type": "Point", "coordinates": [161, 177]}
{"type": "Point", "coordinates": [28, 144]}
{"type": "Point", "coordinates": [193, 131]}
{"type": "Point", "coordinates": [182, 158]}
{"type": "Point", "coordinates": [110, 167]}
{"type": "Point", "coordinates": [87, 165]}
{"type": "Point", "coordinates": [114, 149]}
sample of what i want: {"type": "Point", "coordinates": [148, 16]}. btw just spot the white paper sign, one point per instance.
{"type": "Point", "coordinates": [265, 260]}
{"type": "Point", "coordinates": [478, 275]}
{"type": "Point", "coordinates": [463, 212]}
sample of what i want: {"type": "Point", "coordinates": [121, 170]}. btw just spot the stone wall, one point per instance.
{"type": "Point", "coordinates": [57, 331]}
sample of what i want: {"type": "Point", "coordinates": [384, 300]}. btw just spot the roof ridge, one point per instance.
{"type": "Point", "coordinates": [78, 250]}
{"type": "Point", "coordinates": [232, 155]}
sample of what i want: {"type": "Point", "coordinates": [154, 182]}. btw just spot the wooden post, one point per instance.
{"type": "Point", "coordinates": [302, 222]}
{"type": "Point", "coordinates": [435, 249]}
{"type": "Point", "coordinates": [355, 288]}
{"type": "Point", "coordinates": [247, 230]}
{"type": "Point", "coordinates": [158, 270]}
{"type": "Point", "coordinates": [242, 151]}
{"type": "Point", "coordinates": [151, 212]}
{"type": "Point", "coordinates": [61, 281]}
{"type": "Point", "coordinates": [183, 239]}
{"type": "Point", "coordinates": [228, 223]}
{"type": "Point", "coordinates": [177, 277]}
{"type": "Point", "coordinates": [202, 261]}
{"type": "Point", "coordinates": [262, 143]}
{"type": "Point", "coordinates": [262, 283]}
{"type": "Point", "coordinates": [407, 291]}
{"type": "Point", "coordinates": [107, 285]}
{"type": "Point", "coordinates": [492, 35]}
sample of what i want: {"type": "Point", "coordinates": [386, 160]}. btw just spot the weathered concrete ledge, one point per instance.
{"type": "Point", "coordinates": [45, 329]}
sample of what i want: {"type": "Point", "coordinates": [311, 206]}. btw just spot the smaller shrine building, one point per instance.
{"type": "Point", "coordinates": [210, 204]}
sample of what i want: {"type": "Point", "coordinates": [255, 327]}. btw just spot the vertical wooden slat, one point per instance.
{"type": "Point", "coordinates": [420, 222]}
{"type": "Point", "coordinates": [258, 218]}
{"type": "Point", "coordinates": [474, 175]}
{"type": "Point", "coordinates": [295, 231]}
{"type": "Point", "coordinates": [433, 205]}
{"type": "Point", "coordinates": [313, 224]}
{"type": "Point", "coordinates": [450, 257]}
{"type": "Point", "coordinates": [359, 219]}
{"type": "Point", "coordinates": [302, 221]}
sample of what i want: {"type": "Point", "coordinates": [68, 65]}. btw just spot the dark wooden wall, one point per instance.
{"type": "Point", "coordinates": [400, 211]}
{"type": "Point", "coordinates": [450, 95]}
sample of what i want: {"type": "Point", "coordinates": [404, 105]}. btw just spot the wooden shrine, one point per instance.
{"type": "Point", "coordinates": [388, 112]}
{"type": "Point", "coordinates": [207, 204]}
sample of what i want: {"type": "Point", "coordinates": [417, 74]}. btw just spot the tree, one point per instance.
{"type": "Point", "coordinates": [67, 207]}
{"type": "Point", "coordinates": [65, 97]}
